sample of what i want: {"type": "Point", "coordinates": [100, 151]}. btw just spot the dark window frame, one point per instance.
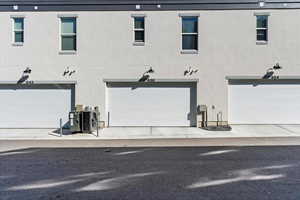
{"type": "Point", "coordinates": [68, 35]}
{"type": "Point", "coordinates": [16, 31]}
{"type": "Point", "coordinates": [264, 30]}
{"type": "Point", "coordinates": [139, 29]}
{"type": "Point", "coordinates": [190, 34]}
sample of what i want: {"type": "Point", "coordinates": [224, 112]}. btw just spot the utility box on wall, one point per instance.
{"type": "Point", "coordinates": [202, 110]}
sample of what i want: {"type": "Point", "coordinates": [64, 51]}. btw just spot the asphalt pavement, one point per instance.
{"type": "Point", "coordinates": [158, 173]}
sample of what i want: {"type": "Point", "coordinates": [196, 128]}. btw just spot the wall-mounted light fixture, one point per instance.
{"type": "Point", "coordinates": [270, 72]}
{"type": "Point", "coordinates": [72, 72]}
{"type": "Point", "coordinates": [27, 70]}
{"type": "Point", "coordinates": [277, 66]}
{"type": "Point", "coordinates": [145, 77]}
{"type": "Point", "coordinates": [150, 71]}
{"type": "Point", "coordinates": [24, 76]}
{"type": "Point", "coordinates": [68, 72]}
{"type": "Point", "coordinates": [190, 71]}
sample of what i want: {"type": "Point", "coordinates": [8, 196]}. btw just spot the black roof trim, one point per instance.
{"type": "Point", "coordinates": [130, 5]}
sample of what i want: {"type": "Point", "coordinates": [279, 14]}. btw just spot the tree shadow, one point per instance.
{"type": "Point", "coordinates": [150, 173]}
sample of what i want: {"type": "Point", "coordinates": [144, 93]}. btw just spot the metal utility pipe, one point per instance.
{"type": "Point", "coordinates": [60, 127]}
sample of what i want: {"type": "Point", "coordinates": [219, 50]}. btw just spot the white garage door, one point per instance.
{"type": "Point", "coordinates": [150, 105]}
{"type": "Point", "coordinates": [27, 107]}
{"type": "Point", "coordinates": [264, 104]}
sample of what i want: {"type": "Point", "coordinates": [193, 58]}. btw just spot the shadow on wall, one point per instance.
{"type": "Point", "coordinates": [22, 79]}
{"type": "Point", "coordinates": [143, 173]}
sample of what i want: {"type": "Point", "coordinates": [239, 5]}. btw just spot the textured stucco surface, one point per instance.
{"type": "Point", "coordinates": [106, 51]}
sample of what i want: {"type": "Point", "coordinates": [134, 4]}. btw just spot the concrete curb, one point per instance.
{"type": "Point", "coordinates": [182, 137]}
{"type": "Point", "coordinates": [91, 138]}
{"type": "Point", "coordinates": [266, 141]}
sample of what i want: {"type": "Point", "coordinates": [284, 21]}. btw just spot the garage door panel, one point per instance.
{"type": "Point", "coordinates": [34, 108]}
{"type": "Point", "coordinates": [149, 106]}
{"type": "Point", "coordinates": [264, 104]}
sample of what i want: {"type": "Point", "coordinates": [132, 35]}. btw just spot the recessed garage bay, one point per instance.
{"type": "Point", "coordinates": [151, 104]}
{"type": "Point", "coordinates": [264, 102]}
{"type": "Point", "coordinates": [35, 106]}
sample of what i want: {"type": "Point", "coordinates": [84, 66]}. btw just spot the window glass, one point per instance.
{"type": "Point", "coordinates": [261, 35]}
{"type": "Point", "coordinates": [18, 30]}
{"type": "Point", "coordinates": [19, 25]}
{"type": "Point", "coordinates": [19, 37]}
{"type": "Point", "coordinates": [68, 34]}
{"type": "Point", "coordinates": [190, 42]}
{"type": "Point", "coordinates": [190, 33]}
{"type": "Point", "coordinates": [139, 22]}
{"type": "Point", "coordinates": [139, 36]}
{"type": "Point", "coordinates": [68, 25]}
{"type": "Point", "coordinates": [139, 29]}
{"type": "Point", "coordinates": [262, 28]}
{"type": "Point", "coordinates": [68, 43]}
{"type": "Point", "coordinates": [262, 21]}
{"type": "Point", "coordinates": [189, 24]}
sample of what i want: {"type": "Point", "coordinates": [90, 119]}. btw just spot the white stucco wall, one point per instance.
{"type": "Point", "coordinates": [227, 46]}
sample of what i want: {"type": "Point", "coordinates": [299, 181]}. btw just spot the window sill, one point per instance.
{"type": "Point", "coordinates": [138, 43]}
{"type": "Point", "coordinates": [16, 44]}
{"type": "Point", "coordinates": [67, 52]}
{"type": "Point", "coordinates": [261, 42]}
{"type": "Point", "coordinates": [189, 52]}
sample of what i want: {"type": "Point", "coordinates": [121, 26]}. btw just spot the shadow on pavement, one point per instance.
{"type": "Point", "coordinates": [151, 173]}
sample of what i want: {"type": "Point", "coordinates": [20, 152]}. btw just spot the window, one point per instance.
{"type": "Point", "coordinates": [68, 34]}
{"type": "Point", "coordinates": [18, 31]}
{"type": "Point", "coordinates": [189, 33]}
{"type": "Point", "coordinates": [261, 28]}
{"type": "Point", "coordinates": [139, 29]}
